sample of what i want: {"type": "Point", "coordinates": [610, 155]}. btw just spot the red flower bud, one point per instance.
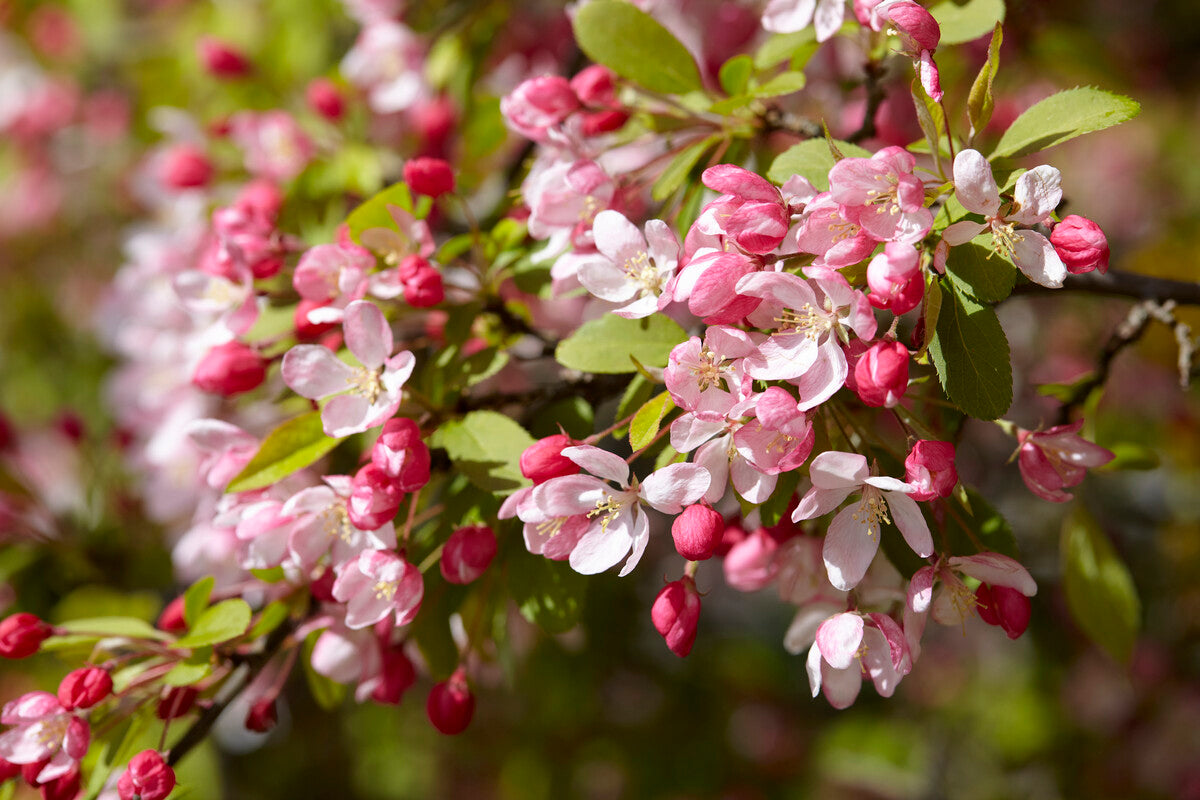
{"type": "Point", "coordinates": [176, 702]}
{"type": "Point", "coordinates": [64, 787]}
{"type": "Point", "coordinates": [324, 98]}
{"type": "Point", "coordinates": [422, 283]}
{"type": "Point", "coordinates": [322, 588]}
{"type": "Point", "coordinates": [429, 176]}
{"type": "Point", "coordinates": [171, 619]}
{"type": "Point", "coordinates": [544, 460]}
{"type": "Point", "coordinates": [221, 60]}
{"type": "Point", "coordinates": [594, 86]}
{"type": "Point", "coordinates": [451, 704]}
{"type": "Point", "coordinates": [1080, 244]}
{"type": "Point", "coordinates": [229, 369]}
{"type": "Point", "coordinates": [21, 635]}
{"type": "Point", "coordinates": [262, 716]}
{"type": "Point", "coordinates": [84, 688]}
{"type": "Point", "coordinates": [930, 467]}
{"type": "Point", "coordinates": [396, 676]}
{"type": "Point", "coordinates": [676, 613]}
{"type": "Point", "coordinates": [881, 375]}
{"type": "Point", "coordinates": [467, 553]}
{"type": "Point", "coordinates": [1004, 607]}
{"type": "Point", "coordinates": [401, 454]}
{"type": "Point", "coordinates": [374, 498]}
{"type": "Point", "coordinates": [29, 772]}
{"type": "Point", "coordinates": [8, 770]}
{"type": "Point", "coordinates": [307, 331]}
{"type": "Point", "coordinates": [185, 166]}
{"type": "Point", "coordinates": [147, 778]}
{"type": "Point", "coordinates": [697, 532]}
{"type": "Point", "coordinates": [598, 122]}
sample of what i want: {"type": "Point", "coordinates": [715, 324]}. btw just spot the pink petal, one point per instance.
{"type": "Point", "coordinates": [368, 334]}
{"type": "Point", "coordinates": [670, 488]}
{"type": "Point", "coordinates": [600, 463]}
{"type": "Point", "coordinates": [641, 537]}
{"type": "Point", "coordinates": [998, 570]}
{"type": "Point", "coordinates": [841, 686]}
{"type": "Point", "coordinates": [908, 518]}
{"type": "Point", "coordinates": [836, 470]}
{"type": "Point", "coordinates": [345, 414]}
{"type": "Point", "coordinates": [839, 638]}
{"type": "Point", "coordinates": [1037, 258]}
{"type": "Point", "coordinates": [616, 237]}
{"type": "Point", "coordinates": [849, 548]}
{"type": "Point", "coordinates": [1038, 193]}
{"type": "Point", "coordinates": [600, 550]}
{"type": "Point", "coordinates": [313, 371]}
{"type": "Point", "coordinates": [974, 185]}
{"type": "Point", "coordinates": [920, 590]}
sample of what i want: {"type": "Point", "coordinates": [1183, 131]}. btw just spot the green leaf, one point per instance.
{"type": "Point", "coordinates": [327, 693]}
{"type": "Point", "coordinates": [976, 270]}
{"type": "Point", "coordinates": [104, 627]}
{"type": "Point", "coordinates": [605, 345]}
{"type": "Point", "coordinates": [486, 446]}
{"type": "Point", "coordinates": [930, 118]}
{"type": "Point", "coordinates": [981, 102]}
{"type": "Point", "coordinates": [967, 22]}
{"type": "Point", "coordinates": [784, 83]}
{"type": "Point", "coordinates": [986, 525]}
{"type": "Point", "coordinates": [970, 353]}
{"type": "Point", "coordinates": [548, 593]}
{"type": "Point", "coordinates": [1100, 590]}
{"type": "Point", "coordinates": [772, 510]}
{"type": "Point", "coordinates": [781, 47]}
{"type": "Point", "coordinates": [373, 213]}
{"type": "Point", "coordinates": [811, 159]}
{"type": "Point", "coordinates": [1063, 116]}
{"type": "Point", "coordinates": [634, 45]}
{"type": "Point", "coordinates": [649, 417]}
{"type": "Point", "coordinates": [269, 619]}
{"type": "Point", "coordinates": [681, 166]}
{"type": "Point", "coordinates": [195, 599]}
{"type": "Point", "coordinates": [735, 74]}
{"type": "Point", "coordinates": [191, 669]}
{"type": "Point", "coordinates": [220, 623]}
{"type": "Point", "coordinates": [269, 574]}
{"type": "Point", "coordinates": [292, 446]}
{"type": "Point", "coordinates": [931, 307]}
{"type": "Point", "coordinates": [635, 395]}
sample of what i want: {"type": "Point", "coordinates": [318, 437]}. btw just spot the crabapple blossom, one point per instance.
{"type": "Point", "coordinates": [676, 613]}
{"type": "Point", "coordinates": [631, 268]}
{"type": "Point", "coordinates": [882, 195]}
{"type": "Point", "coordinates": [396, 676]}
{"type": "Point", "coordinates": [433, 177]}
{"type": "Point", "coordinates": [467, 553]}
{"type": "Point", "coordinates": [322, 525]}
{"type": "Point", "coordinates": [849, 645]}
{"type": "Point", "coordinates": [373, 389]}
{"type": "Point", "coordinates": [750, 564]}
{"type": "Point", "coordinates": [21, 635]}
{"type": "Point", "coordinates": [853, 536]}
{"type": "Point", "coordinates": [833, 232]}
{"type": "Point", "coordinates": [1057, 459]}
{"type": "Point", "coordinates": [792, 16]}
{"type": "Point", "coordinates": [919, 36]}
{"type": "Point", "coordinates": [43, 733]}
{"type": "Point", "coordinates": [422, 284]}
{"type": "Point", "coordinates": [895, 278]}
{"type": "Point", "coordinates": [539, 104]}
{"type": "Point", "coordinates": [881, 374]}
{"type": "Point", "coordinates": [929, 468]}
{"type": "Point", "coordinates": [1003, 607]}
{"type": "Point", "coordinates": [146, 778]}
{"type": "Point", "coordinates": [451, 704]}
{"type": "Point", "coordinates": [1080, 244]}
{"type": "Point", "coordinates": [273, 144]}
{"type": "Point", "coordinates": [387, 61]}
{"type": "Point", "coordinates": [84, 688]}
{"type": "Point", "coordinates": [222, 60]}
{"type": "Point", "coordinates": [376, 585]}
{"type": "Point", "coordinates": [544, 460]}
{"type": "Point", "coordinates": [185, 166]}
{"type": "Point", "coordinates": [697, 532]}
{"type": "Point", "coordinates": [401, 454]}
{"type": "Point", "coordinates": [324, 97]}
{"type": "Point", "coordinates": [750, 211]}
{"type": "Point", "coordinates": [262, 716]}
{"type": "Point", "coordinates": [697, 368]}
{"type": "Point", "coordinates": [230, 369]}
{"type": "Point", "coordinates": [374, 498]}
{"type": "Point", "coordinates": [176, 702]}
{"type": "Point", "coordinates": [333, 273]}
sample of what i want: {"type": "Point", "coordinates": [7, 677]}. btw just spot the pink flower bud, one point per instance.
{"type": "Point", "coordinates": [396, 676]}
{"type": "Point", "coordinates": [229, 369]}
{"type": "Point", "coordinates": [185, 166]}
{"type": "Point", "coordinates": [676, 613]}
{"type": "Point", "coordinates": [895, 278]}
{"type": "Point", "coordinates": [400, 454]}
{"type": "Point", "coordinates": [84, 688]}
{"type": "Point", "coordinates": [539, 104]}
{"type": "Point", "coordinates": [221, 60]}
{"type": "Point", "coordinates": [598, 122]}
{"type": "Point", "coordinates": [21, 635]}
{"type": "Point", "coordinates": [171, 619]}
{"type": "Point", "coordinates": [326, 99]}
{"type": "Point", "coordinates": [697, 532]}
{"type": "Point", "coordinates": [544, 460]}
{"type": "Point", "coordinates": [1004, 607]}
{"type": "Point", "coordinates": [422, 283]}
{"type": "Point", "coordinates": [429, 176]}
{"type": "Point", "coordinates": [467, 553]}
{"type": "Point", "coordinates": [262, 716]}
{"type": "Point", "coordinates": [176, 702]}
{"type": "Point", "coordinates": [64, 787]}
{"type": "Point", "coordinates": [930, 467]}
{"type": "Point", "coordinates": [374, 498]}
{"type": "Point", "coordinates": [147, 778]}
{"type": "Point", "coordinates": [594, 86]}
{"type": "Point", "coordinates": [1080, 244]}
{"type": "Point", "coordinates": [917, 27]}
{"type": "Point", "coordinates": [261, 197]}
{"type": "Point", "coordinates": [451, 704]}
{"type": "Point", "coordinates": [881, 375]}
{"type": "Point", "coordinates": [322, 588]}
{"type": "Point", "coordinates": [1057, 459]}
{"type": "Point", "coordinates": [8, 770]}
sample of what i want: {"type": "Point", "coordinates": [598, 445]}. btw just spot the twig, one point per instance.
{"type": "Point", "coordinates": [1124, 284]}
{"type": "Point", "coordinates": [1128, 331]}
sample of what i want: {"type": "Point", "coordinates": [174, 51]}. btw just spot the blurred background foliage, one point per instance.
{"type": "Point", "coordinates": [604, 711]}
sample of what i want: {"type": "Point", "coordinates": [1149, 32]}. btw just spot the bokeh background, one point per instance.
{"type": "Point", "coordinates": [605, 711]}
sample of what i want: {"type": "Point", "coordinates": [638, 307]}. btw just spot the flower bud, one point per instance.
{"type": "Point", "coordinates": [544, 460]}
{"type": "Point", "coordinates": [374, 498]}
{"type": "Point", "coordinates": [400, 454]}
{"type": "Point", "coordinates": [881, 375]}
{"type": "Point", "coordinates": [8, 770]}
{"type": "Point", "coordinates": [676, 613]}
{"type": "Point", "coordinates": [594, 86]}
{"type": "Point", "coordinates": [30, 772]}
{"type": "Point", "coordinates": [324, 98]}
{"type": "Point", "coordinates": [171, 619]}
{"type": "Point", "coordinates": [697, 532]}
{"type": "Point", "coordinates": [1057, 459]}
{"type": "Point", "coordinates": [322, 587]}
{"type": "Point", "coordinates": [1004, 607]}
{"type": "Point", "coordinates": [451, 704]}
{"type": "Point", "coordinates": [538, 104]}
{"type": "Point", "coordinates": [221, 60]}
{"type": "Point", "coordinates": [84, 688]}
{"type": "Point", "coordinates": [422, 283]}
{"type": "Point", "coordinates": [1080, 244]}
{"type": "Point", "coordinates": [262, 716]}
{"type": "Point", "coordinates": [917, 27]}
{"type": "Point", "coordinates": [185, 166]}
{"type": "Point", "coordinates": [147, 778]}
{"type": "Point", "coordinates": [261, 197]}
{"type": "Point", "coordinates": [177, 701]}
{"type": "Point", "coordinates": [306, 330]}
{"type": "Point", "coordinates": [467, 553]}
{"type": "Point", "coordinates": [429, 176]}
{"type": "Point", "coordinates": [750, 563]}
{"type": "Point", "coordinates": [21, 635]}
{"type": "Point", "coordinates": [895, 278]}
{"type": "Point", "coordinates": [229, 369]}
{"type": "Point", "coordinates": [64, 787]}
{"type": "Point", "coordinates": [930, 468]}
{"type": "Point", "coordinates": [598, 122]}
{"type": "Point", "coordinates": [396, 676]}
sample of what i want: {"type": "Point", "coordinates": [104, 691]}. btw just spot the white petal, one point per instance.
{"type": "Point", "coordinates": [998, 570]}
{"type": "Point", "coordinates": [849, 548]}
{"type": "Point", "coordinates": [974, 185]}
{"type": "Point", "coordinates": [1038, 259]}
{"type": "Point", "coordinates": [908, 518]}
{"type": "Point", "coordinates": [599, 550]}
{"type": "Point", "coordinates": [670, 488]}
{"type": "Point", "coordinates": [368, 334]}
{"type": "Point", "coordinates": [1038, 193]}
{"type": "Point", "coordinates": [600, 463]}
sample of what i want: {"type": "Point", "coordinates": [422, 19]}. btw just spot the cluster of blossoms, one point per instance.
{"type": "Point", "coordinates": [397, 344]}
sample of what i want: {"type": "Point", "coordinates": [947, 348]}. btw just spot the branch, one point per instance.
{"type": "Point", "coordinates": [875, 96]}
{"type": "Point", "coordinates": [1124, 284]}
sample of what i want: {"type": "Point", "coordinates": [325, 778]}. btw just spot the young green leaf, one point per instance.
{"type": "Point", "coordinates": [968, 21]}
{"type": "Point", "coordinates": [291, 447]}
{"type": "Point", "coordinates": [1100, 591]}
{"type": "Point", "coordinates": [1063, 116]}
{"type": "Point", "coordinates": [196, 666]}
{"type": "Point", "coordinates": [931, 307]}
{"type": "Point", "coordinates": [970, 353]}
{"type": "Point", "coordinates": [735, 74]}
{"type": "Point", "coordinates": [486, 446]}
{"type": "Point", "coordinates": [781, 47]}
{"type": "Point", "coordinates": [604, 345]}
{"type": "Point", "coordinates": [373, 212]}
{"type": "Point", "coordinates": [811, 159]}
{"type": "Point", "coordinates": [681, 166]}
{"type": "Point", "coordinates": [784, 83]}
{"type": "Point", "coordinates": [981, 102]}
{"type": "Point", "coordinates": [220, 623]}
{"type": "Point", "coordinates": [195, 599]}
{"type": "Point", "coordinates": [649, 417]}
{"type": "Point", "coordinates": [634, 45]}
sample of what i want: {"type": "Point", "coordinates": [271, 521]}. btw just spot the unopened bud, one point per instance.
{"type": "Point", "coordinates": [917, 27]}
{"type": "Point", "coordinates": [1080, 244]}
{"type": "Point", "coordinates": [221, 60]}
{"type": "Point", "coordinates": [544, 460]}
{"type": "Point", "coordinates": [185, 166]}
{"type": "Point", "coordinates": [467, 553]}
{"type": "Point", "coordinates": [374, 498]}
{"type": "Point", "coordinates": [21, 635]}
{"type": "Point", "coordinates": [171, 619]}
{"type": "Point", "coordinates": [676, 614]}
{"type": "Point", "coordinates": [930, 468]}
{"type": "Point", "coordinates": [451, 704]}
{"type": "Point", "coordinates": [229, 369]}
{"type": "Point", "coordinates": [326, 99]}
{"type": "Point", "coordinates": [594, 86]}
{"type": "Point", "coordinates": [176, 702]}
{"type": "Point", "coordinates": [697, 532]}
{"type": "Point", "coordinates": [429, 176]}
{"type": "Point", "coordinates": [84, 688]}
{"type": "Point", "coordinates": [147, 778]}
{"type": "Point", "coordinates": [401, 454]}
{"type": "Point", "coordinates": [598, 122]}
{"type": "Point", "coordinates": [1004, 607]}
{"type": "Point", "coordinates": [396, 676]}
{"type": "Point", "coordinates": [262, 716]}
{"type": "Point", "coordinates": [424, 289]}
{"type": "Point", "coordinates": [881, 375]}
{"type": "Point", "coordinates": [64, 787]}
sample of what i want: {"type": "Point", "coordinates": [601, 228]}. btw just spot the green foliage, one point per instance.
{"type": "Point", "coordinates": [970, 353]}
{"type": "Point", "coordinates": [645, 424]}
{"type": "Point", "coordinates": [486, 447]}
{"type": "Point", "coordinates": [1100, 590]}
{"type": "Point", "coordinates": [548, 593]}
{"type": "Point", "coordinates": [292, 446]}
{"type": "Point", "coordinates": [226, 620]}
{"type": "Point", "coordinates": [195, 599]}
{"type": "Point", "coordinates": [681, 167]}
{"type": "Point", "coordinates": [980, 102]}
{"type": "Point", "coordinates": [968, 21]}
{"type": "Point", "coordinates": [373, 213]}
{"type": "Point", "coordinates": [606, 345]}
{"type": "Point", "coordinates": [781, 47]}
{"type": "Point", "coordinates": [811, 159]}
{"type": "Point", "coordinates": [976, 270]}
{"type": "Point", "coordinates": [980, 528]}
{"type": "Point", "coordinates": [191, 669]}
{"type": "Point", "coordinates": [634, 45]}
{"type": "Point", "coordinates": [1063, 116]}
{"type": "Point", "coordinates": [735, 74]}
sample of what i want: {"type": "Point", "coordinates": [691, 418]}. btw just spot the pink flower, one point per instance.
{"type": "Point", "coordinates": [1057, 459]}
{"type": "Point", "coordinates": [929, 468]}
{"type": "Point", "coordinates": [333, 272]}
{"type": "Point", "coordinates": [538, 104]}
{"type": "Point", "coordinates": [43, 730]}
{"type": "Point", "coordinates": [792, 16]}
{"type": "Point", "coordinates": [696, 369]}
{"type": "Point", "coordinates": [387, 61]}
{"type": "Point", "coordinates": [853, 536]}
{"type": "Point", "coordinates": [631, 268]}
{"type": "Point", "coordinates": [919, 37]}
{"type": "Point", "coordinates": [835, 233]}
{"type": "Point", "coordinates": [322, 525]}
{"type": "Point", "coordinates": [882, 195]}
{"type": "Point", "coordinates": [274, 145]}
{"type": "Point", "coordinates": [376, 585]}
{"type": "Point", "coordinates": [1004, 607]}
{"type": "Point", "coordinates": [324, 97]}
{"type": "Point", "coordinates": [84, 688]}
{"type": "Point", "coordinates": [222, 60]}
{"type": "Point", "coordinates": [750, 211]}
{"type": "Point", "coordinates": [401, 454]}
{"type": "Point", "coordinates": [429, 176]}
{"type": "Point", "coordinates": [1081, 244]}
{"type": "Point", "coordinates": [185, 166]}
{"type": "Point", "coordinates": [374, 498]}
{"type": "Point", "coordinates": [226, 449]}
{"type": "Point", "coordinates": [849, 644]}
{"type": "Point", "coordinates": [895, 278]}
{"type": "Point", "coordinates": [230, 369]}
{"type": "Point", "coordinates": [676, 613]}
{"type": "Point", "coordinates": [1037, 193]}
{"type": "Point", "coordinates": [881, 374]}
{"type": "Point", "coordinates": [373, 390]}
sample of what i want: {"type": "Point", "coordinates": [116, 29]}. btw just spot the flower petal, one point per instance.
{"type": "Point", "coordinates": [368, 334]}
{"type": "Point", "coordinates": [849, 549]}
